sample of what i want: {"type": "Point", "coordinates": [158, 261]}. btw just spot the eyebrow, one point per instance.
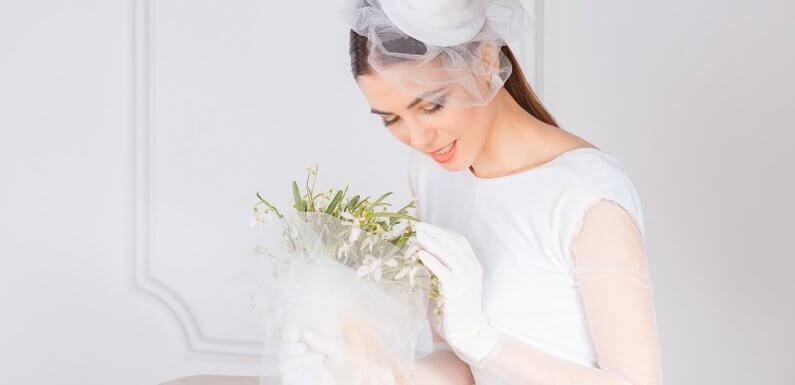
{"type": "Point", "coordinates": [412, 104]}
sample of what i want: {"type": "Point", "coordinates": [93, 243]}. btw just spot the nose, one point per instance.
{"type": "Point", "coordinates": [420, 137]}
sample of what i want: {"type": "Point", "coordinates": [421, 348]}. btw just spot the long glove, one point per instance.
{"type": "Point", "coordinates": [613, 279]}
{"type": "Point", "coordinates": [451, 258]}
{"type": "Point", "coordinates": [299, 365]}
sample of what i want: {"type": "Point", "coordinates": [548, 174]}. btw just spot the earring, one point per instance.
{"type": "Point", "coordinates": [496, 81]}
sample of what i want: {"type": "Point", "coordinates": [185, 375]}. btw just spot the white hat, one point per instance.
{"type": "Point", "coordinates": [420, 45]}
{"type": "Point", "coordinates": [437, 22]}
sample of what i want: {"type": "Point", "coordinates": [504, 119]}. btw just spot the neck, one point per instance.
{"type": "Point", "coordinates": [515, 140]}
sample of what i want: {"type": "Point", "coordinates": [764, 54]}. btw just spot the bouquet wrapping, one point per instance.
{"type": "Point", "coordinates": [331, 273]}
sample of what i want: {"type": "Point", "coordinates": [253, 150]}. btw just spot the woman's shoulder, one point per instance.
{"type": "Point", "coordinates": [594, 165]}
{"type": "Point", "coordinates": [601, 175]}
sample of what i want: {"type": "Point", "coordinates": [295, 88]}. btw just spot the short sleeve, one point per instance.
{"type": "Point", "coordinates": [602, 178]}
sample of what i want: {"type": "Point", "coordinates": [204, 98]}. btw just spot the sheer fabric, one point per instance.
{"type": "Point", "coordinates": [612, 274]}
{"type": "Point", "coordinates": [616, 289]}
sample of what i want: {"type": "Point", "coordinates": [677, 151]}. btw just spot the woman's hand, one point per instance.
{"type": "Point", "coordinates": [297, 364]}
{"type": "Point", "coordinates": [451, 258]}
{"type": "Point", "coordinates": [355, 358]}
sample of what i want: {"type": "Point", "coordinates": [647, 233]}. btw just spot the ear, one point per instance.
{"type": "Point", "coordinates": [489, 56]}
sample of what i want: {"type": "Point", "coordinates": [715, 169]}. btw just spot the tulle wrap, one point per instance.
{"type": "Point", "coordinates": [314, 284]}
{"type": "Point", "coordinates": [454, 45]}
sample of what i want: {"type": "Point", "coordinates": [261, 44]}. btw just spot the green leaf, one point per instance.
{"type": "Point", "coordinates": [380, 199]}
{"type": "Point", "coordinates": [269, 205]}
{"type": "Point", "coordinates": [300, 205]}
{"type": "Point", "coordinates": [401, 241]}
{"type": "Point", "coordinates": [395, 215]}
{"type": "Point", "coordinates": [352, 203]}
{"type": "Point", "coordinates": [363, 202]}
{"type": "Point", "coordinates": [334, 202]}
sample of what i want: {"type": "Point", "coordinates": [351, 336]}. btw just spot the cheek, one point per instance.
{"type": "Point", "coordinates": [400, 133]}
{"type": "Point", "coordinates": [466, 124]}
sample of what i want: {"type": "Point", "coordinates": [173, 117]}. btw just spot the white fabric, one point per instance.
{"type": "Point", "coordinates": [450, 257]}
{"type": "Point", "coordinates": [564, 268]}
{"type": "Point", "coordinates": [308, 356]}
{"type": "Point", "coordinates": [522, 227]}
{"type": "Point", "coordinates": [441, 22]}
{"type": "Point", "coordinates": [299, 365]}
{"type": "Point", "coordinates": [614, 282]}
{"type": "Point", "coordinates": [355, 357]}
{"type": "Point", "coordinates": [457, 55]}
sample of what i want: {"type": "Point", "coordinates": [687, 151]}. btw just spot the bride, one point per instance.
{"type": "Point", "coordinates": [535, 234]}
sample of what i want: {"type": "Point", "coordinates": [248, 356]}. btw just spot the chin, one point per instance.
{"type": "Point", "coordinates": [461, 159]}
{"type": "Point", "coordinates": [459, 162]}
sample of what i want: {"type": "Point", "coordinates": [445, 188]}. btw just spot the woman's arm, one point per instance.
{"type": "Point", "coordinates": [614, 283]}
{"type": "Point", "coordinates": [440, 367]}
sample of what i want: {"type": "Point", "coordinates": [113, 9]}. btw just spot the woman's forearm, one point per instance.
{"type": "Point", "coordinates": [519, 363]}
{"type": "Point", "coordinates": [441, 367]}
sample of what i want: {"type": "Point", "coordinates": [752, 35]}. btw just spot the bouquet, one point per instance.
{"type": "Point", "coordinates": [339, 262]}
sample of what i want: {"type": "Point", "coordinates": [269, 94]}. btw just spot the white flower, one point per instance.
{"type": "Point", "coordinates": [310, 168]}
{"type": "Point", "coordinates": [344, 249]}
{"type": "Point", "coordinates": [371, 241]}
{"type": "Point", "coordinates": [260, 216]}
{"type": "Point", "coordinates": [412, 273]}
{"type": "Point", "coordinates": [370, 265]}
{"type": "Point", "coordinates": [354, 234]}
{"type": "Point", "coordinates": [410, 253]}
{"type": "Point", "coordinates": [348, 216]}
{"type": "Point", "coordinates": [402, 273]}
{"type": "Point", "coordinates": [396, 230]}
{"type": "Point", "coordinates": [322, 202]}
{"type": "Point", "coordinates": [391, 262]}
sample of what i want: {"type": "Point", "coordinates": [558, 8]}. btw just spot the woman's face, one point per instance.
{"type": "Point", "coordinates": [427, 126]}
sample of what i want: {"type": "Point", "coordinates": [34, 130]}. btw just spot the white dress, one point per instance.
{"type": "Point", "coordinates": [521, 227]}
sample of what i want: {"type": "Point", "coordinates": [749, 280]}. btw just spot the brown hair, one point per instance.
{"type": "Point", "coordinates": [516, 85]}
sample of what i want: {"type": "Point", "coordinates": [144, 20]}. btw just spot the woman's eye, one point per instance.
{"type": "Point", "coordinates": [436, 107]}
{"type": "Point", "coordinates": [390, 122]}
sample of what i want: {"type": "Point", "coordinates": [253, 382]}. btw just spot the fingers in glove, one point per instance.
{"type": "Point", "coordinates": [330, 347]}
{"type": "Point", "coordinates": [303, 369]}
{"type": "Point", "coordinates": [438, 232]}
{"type": "Point", "coordinates": [298, 363]}
{"type": "Point", "coordinates": [436, 267]}
{"type": "Point", "coordinates": [439, 248]}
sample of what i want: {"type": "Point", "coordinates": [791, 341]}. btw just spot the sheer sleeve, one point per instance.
{"type": "Point", "coordinates": [613, 280]}
{"type": "Point", "coordinates": [616, 288]}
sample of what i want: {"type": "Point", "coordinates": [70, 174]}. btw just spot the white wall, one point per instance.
{"type": "Point", "coordinates": [696, 99]}
{"type": "Point", "coordinates": [134, 134]}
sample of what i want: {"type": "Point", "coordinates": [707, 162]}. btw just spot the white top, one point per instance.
{"type": "Point", "coordinates": [521, 226]}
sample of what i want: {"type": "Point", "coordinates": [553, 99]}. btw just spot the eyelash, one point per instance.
{"type": "Point", "coordinates": [435, 108]}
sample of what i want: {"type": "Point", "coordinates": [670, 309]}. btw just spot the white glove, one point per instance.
{"type": "Point", "coordinates": [451, 258]}
{"type": "Point", "coordinates": [355, 358]}
{"type": "Point", "coordinates": [297, 364]}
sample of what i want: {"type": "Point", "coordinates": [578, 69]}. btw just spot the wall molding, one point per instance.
{"type": "Point", "coordinates": [197, 341]}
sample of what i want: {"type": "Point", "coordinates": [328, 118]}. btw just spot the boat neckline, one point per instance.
{"type": "Point", "coordinates": [532, 169]}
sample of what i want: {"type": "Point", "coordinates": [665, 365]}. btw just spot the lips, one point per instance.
{"type": "Point", "coordinates": [445, 153]}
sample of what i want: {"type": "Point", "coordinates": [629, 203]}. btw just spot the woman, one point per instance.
{"type": "Point", "coordinates": [535, 234]}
